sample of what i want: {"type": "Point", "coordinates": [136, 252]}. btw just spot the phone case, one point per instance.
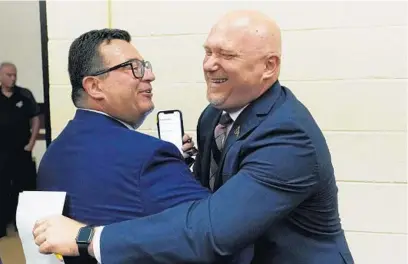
{"type": "Point", "coordinates": [169, 112]}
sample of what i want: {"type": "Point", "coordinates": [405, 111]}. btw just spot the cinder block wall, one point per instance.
{"type": "Point", "coordinates": [21, 44]}
{"type": "Point", "coordinates": [346, 61]}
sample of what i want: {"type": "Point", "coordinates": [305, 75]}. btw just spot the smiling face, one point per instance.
{"type": "Point", "coordinates": [238, 64]}
{"type": "Point", "coordinates": [119, 93]}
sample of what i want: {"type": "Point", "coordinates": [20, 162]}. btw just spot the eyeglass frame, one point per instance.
{"type": "Point", "coordinates": [145, 64]}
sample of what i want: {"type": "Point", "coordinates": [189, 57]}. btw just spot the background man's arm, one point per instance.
{"type": "Point", "coordinates": [34, 111]}
{"type": "Point", "coordinates": [277, 176]}
{"type": "Point", "coordinates": [35, 129]}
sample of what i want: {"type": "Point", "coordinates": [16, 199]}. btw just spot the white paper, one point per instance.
{"type": "Point", "coordinates": [34, 205]}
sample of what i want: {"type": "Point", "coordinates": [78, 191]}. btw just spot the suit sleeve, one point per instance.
{"type": "Point", "coordinates": [166, 181]}
{"type": "Point", "coordinates": [277, 174]}
{"type": "Point", "coordinates": [197, 164]}
{"type": "Point", "coordinates": [194, 163]}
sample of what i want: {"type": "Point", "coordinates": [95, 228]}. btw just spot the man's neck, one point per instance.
{"type": "Point", "coordinates": [8, 92]}
{"type": "Point", "coordinates": [104, 113]}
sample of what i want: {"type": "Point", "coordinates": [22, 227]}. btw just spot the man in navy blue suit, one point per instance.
{"type": "Point", "coordinates": [111, 172]}
{"type": "Point", "coordinates": [262, 153]}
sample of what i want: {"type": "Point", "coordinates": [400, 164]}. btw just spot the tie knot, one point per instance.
{"type": "Point", "coordinates": [225, 119]}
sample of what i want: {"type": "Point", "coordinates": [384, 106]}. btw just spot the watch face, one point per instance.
{"type": "Point", "coordinates": [85, 235]}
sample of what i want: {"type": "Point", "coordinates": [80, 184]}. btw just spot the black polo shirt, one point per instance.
{"type": "Point", "coordinates": [16, 112]}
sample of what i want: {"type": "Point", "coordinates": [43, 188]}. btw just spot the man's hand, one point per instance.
{"type": "Point", "coordinates": [56, 234]}
{"type": "Point", "coordinates": [188, 146]}
{"type": "Point", "coordinates": [29, 147]}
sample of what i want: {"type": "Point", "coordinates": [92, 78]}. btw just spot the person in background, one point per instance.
{"type": "Point", "coordinates": [19, 127]}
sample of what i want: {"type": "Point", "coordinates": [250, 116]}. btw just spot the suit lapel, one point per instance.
{"type": "Point", "coordinates": [244, 124]}
{"type": "Point", "coordinates": [248, 120]}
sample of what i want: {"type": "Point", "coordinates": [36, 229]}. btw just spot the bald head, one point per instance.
{"type": "Point", "coordinates": [7, 64]}
{"type": "Point", "coordinates": [256, 31]}
{"type": "Point", "coordinates": [8, 75]}
{"type": "Point", "coordinates": [242, 61]}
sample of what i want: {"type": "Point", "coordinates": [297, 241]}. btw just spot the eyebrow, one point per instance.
{"type": "Point", "coordinates": [134, 58]}
{"type": "Point", "coordinates": [227, 51]}
{"type": "Point", "coordinates": [219, 50]}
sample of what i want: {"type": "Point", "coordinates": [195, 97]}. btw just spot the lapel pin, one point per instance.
{"type": "Point", "coordinates": [236, 131]}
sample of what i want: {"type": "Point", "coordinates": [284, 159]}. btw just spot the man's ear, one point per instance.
{"type": "Point", "coordinates": [92, 87]}
{"type": "Point", "coordinates": [272, 64]}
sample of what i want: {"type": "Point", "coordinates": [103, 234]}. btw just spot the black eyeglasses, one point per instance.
{"type": "Point", "coordinates": [138, 68]}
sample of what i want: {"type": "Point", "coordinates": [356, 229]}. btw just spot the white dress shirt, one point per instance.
{"type": "Point", "coordinates": [98, 230]}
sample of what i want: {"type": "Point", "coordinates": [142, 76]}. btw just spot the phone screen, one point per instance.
{"type": "Point", "coordinates": [170, 127]}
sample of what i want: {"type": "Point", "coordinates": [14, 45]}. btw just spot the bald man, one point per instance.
{"type": "Point", "coordinates": [19, 127]}
{"type": "Point", "coordinates": [261, 153]}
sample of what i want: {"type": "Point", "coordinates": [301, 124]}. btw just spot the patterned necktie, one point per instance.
{"type": "Point", "coordinates": [220, 134]}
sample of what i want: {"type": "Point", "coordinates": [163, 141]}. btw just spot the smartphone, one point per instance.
{"type": "Point", "coordinates": [170, 127]}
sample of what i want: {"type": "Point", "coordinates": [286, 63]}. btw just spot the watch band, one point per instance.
{"type": "Point", "coordinates": [83, 249]}
{"type": "Point", "coordinates": [84, 238]}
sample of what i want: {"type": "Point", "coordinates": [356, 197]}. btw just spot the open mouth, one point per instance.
{"type": "Point", "coordinates": [148, 91]}
{"type": "Point", "coordinates": [219, 80]}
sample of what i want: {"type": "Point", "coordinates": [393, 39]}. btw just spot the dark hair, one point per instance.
{"type": "Point", "coordinates": [85, 59]}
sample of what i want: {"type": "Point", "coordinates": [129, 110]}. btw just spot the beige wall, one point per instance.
{"type": "Point", "coordinates": [346, 61]}
{"type": "Point", "coordinates": [20, 43]}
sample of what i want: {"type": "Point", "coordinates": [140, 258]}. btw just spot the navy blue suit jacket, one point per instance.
{"type": "Point", "coordinates": [280, 194]}
{"type": "Point", "coordinates": [112, 173]}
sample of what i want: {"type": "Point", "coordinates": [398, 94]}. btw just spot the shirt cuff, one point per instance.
{"type": "Point", "coordinates": [97, 243]}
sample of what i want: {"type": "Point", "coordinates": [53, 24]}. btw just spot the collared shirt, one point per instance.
{"type": "Point", "coordinates": [103, 113]}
